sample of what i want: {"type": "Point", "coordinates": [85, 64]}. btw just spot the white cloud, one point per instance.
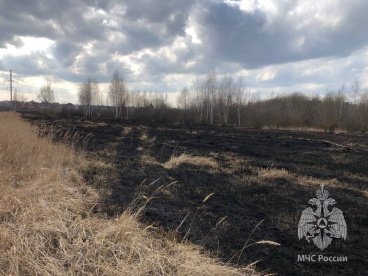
{"type": "Point", "coordinates": [28, 46]}
{"type": "Point", "coordinates": [191, 31]}
{"type": "Point", "coordinates": [266, 74]}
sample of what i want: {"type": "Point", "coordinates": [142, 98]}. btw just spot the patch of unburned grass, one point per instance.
{"type": "Point", "coordinates": [273, 173]}
{"type": "Point", "coordinates": [149, 160]}
{"type": "Point", "coordinates": [184, 158]}
{"type": "Point", "coordinates": [127, 130]}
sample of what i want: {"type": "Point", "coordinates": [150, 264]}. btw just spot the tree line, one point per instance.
{"type": "Point", "coordinates": [225, 101]}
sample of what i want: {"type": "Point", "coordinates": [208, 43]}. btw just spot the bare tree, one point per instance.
{"type": "Point", "coordinates": [239, 97]}
{"type": "Point", "coordinates": [183, 99]}
{"type": "Point", "coordinates": [118, 94]}
{"type": "Point", "coordinates": [18, 98]}
{"type": "Point", "coordinates": [330, 111]}
{"type": "Point", "coordinates": [46, 94]}
{"type": "Point", "coordinates": [212, 86]}
{"type": "Point", "coordinates": [341, 97]}
{"type": "Point", "coordinates": [96, 95]}
{"type": "Point", "coordinates": [226, 94]}
{"type": "Point", "coordinates": [362, 112]}
{"type": "Point", "coordinates": [356, 90]}
{"type": "Point", "coordinates": [210, 89]}
{"type": "Point", "coordinates": [199, 97]}
{"type": "Point", "coordinates": [86, 96]}
{"type": "Point", "coordinates": [89, 96]}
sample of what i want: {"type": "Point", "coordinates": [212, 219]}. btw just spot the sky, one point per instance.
{"type": "Point", "coordinates": [164, 45]}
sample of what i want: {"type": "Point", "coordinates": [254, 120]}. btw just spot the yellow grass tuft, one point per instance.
{"type": "Point", "coordinates": [271, 173]}
{"type": "Point", "coordinates": [184, 158]}
{"type": "Point", "coordinates": [127, 130]}
{"type": "Point", "coordinates": [149, 160]}
{"type": "Point", "coordinates": [47, 228]}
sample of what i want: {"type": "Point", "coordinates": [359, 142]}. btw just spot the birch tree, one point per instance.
{"type": "Point", "coordinates": [239, 97]}
{"type": "Point", "coordinates": [210, 90]}
{"type": "Point", "coordinates": [118, 94]}
{"type": "Point", "coordinates": [86, 96]}
{"type": "Point", "coordinates": [89, 96]}
{"type": "Point", "coordinates": [183, 99]}
{"type": "Point", "coordinates": [226, 94]}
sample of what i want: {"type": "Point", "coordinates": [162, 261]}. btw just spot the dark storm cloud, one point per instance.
{"type": "Point", "coordinates": [29, 65]}
{"type": "Point", "coordinates": [25, 26]}
{"type": "Point", "coordinates": [65, 52]}
{"type": "Point", "coordinates": [232, 35]}
{"type": "Point", "coordinates": [169, 17]}
{"type": "Point", "coordinates": [56, 20]}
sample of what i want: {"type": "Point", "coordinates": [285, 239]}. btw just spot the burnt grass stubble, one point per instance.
{"type": "Point", "coordinates": [242, 197]}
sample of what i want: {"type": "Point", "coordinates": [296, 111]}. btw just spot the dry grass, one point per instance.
{"type": "Point", "coordinates": [46, 227]}
{"type": "Point", "coordinates": [202, 161]}
{"type": "Point", "coordinates": [148, 159]}
{"type": "Point", "coordinates": [127, 130]}
{"type": "Point", "coordinates": [273, 173]}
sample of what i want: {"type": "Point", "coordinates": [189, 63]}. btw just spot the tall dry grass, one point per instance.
{"type": "Point", "coordinates": [46, 227]}
{"type": "Point", "coordinates": [184, 158]}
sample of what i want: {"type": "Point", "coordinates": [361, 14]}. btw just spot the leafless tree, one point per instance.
{"type": "Point", "coordinates": [86, 96]}
{"type": "Point", "coordinates": [211, 89]}
{"type": "Point", "coordinates": [46, 94]}
{"type": "Point", "coordinates": [183, 99]}
{"type": "Point", "coordinates": [226, 94]}
{"type": "Point", "coordinates": [18, 98]}
{"type": "Point", "coordinates": [199, 98]}
{"type": "Point", "coordinates": [118, 94]}
{"type": "Point", "coordinates": [240, 97]}
{"type": "Point", "coordinates": [356, 90]}
{"type": "Point", "coordinates": [341, 92]}
{"type": "Point", "coordinates": [96, 94]}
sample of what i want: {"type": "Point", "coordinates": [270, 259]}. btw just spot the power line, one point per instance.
{"type": "Point", "coordinates": [11, 84]}
{"type": "Point", "coordinates": [11, 81]}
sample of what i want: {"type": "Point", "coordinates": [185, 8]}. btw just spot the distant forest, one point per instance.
{"type": "Point", "coordinates": [222, 101]}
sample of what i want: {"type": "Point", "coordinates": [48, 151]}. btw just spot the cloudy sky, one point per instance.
{"type": "Point", "coordinates": [163, 45]}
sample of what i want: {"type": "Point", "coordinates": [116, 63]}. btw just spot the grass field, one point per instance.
{"type": "Point", "coordinates": [50, 224]}
{"type": "Point", "coordinates": [227, 189]}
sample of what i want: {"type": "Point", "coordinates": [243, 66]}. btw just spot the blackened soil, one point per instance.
{"type": "Point", "coordinates": [263, 182]}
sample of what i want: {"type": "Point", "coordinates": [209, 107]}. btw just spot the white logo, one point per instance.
{"type": "Point", "coordinates": [322, 225]}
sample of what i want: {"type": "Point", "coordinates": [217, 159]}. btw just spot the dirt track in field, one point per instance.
{"type": "Point", "coordinates": [261, 183]}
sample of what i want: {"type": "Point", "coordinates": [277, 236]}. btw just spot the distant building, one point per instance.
{"type": "Point", "coordinates": [6, 105]}
{"type": "Point", "coordinates": [31, 106]}
{"type": "Point", "coordinates": [70, 107]}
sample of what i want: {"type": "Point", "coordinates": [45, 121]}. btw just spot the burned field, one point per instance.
{"type": "Point", "coordinates": [227, 189]}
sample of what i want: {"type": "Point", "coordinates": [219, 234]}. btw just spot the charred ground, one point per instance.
{"type": "Point", "coordinates": [257, 182]}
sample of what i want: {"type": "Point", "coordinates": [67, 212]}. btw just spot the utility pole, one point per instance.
{"type": "Point", "coordinates": [15, 99]}
{"type": "Point", "coordinates": [11, 86]}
